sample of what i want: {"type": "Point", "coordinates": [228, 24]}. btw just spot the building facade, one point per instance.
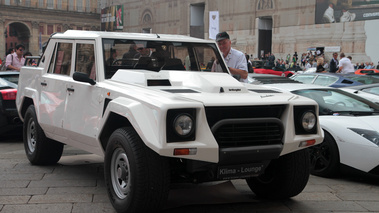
{"type": "Point", "coordinates": [261, 26]}
{"type": "Point", "coordinates": [31, 22]}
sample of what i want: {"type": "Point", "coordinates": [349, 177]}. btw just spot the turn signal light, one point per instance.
{"type": "Point", "coordinates": [307, 143]}
{"type": "Point", "coordinates": [185, 151]}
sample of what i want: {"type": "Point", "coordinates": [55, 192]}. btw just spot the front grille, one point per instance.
{"type": "Point", "coordinates": [246, 126]}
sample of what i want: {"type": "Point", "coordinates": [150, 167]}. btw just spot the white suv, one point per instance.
{"type": "Point", "coordinates": [146, 103]}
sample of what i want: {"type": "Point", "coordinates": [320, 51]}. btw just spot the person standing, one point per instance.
{"type": "Point", "coordinates": [235, 60]}
{"type": "Point", "coordinates": [345, 65]}
{"type": "Point", "coordinates": [333, 65]}
{"type": "Point", "coordinates": [16, 60]}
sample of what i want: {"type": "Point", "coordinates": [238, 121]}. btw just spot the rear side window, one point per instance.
{"type": "Point", "coordinates": [61, 61]}
{"type": "Point", "coordinates": [85, 60]}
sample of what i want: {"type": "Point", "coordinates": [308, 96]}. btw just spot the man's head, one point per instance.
{"type": "Point", "coordinates": [335, 55]}
{"type": "Point", "coordinates": [20, 49]}
{"type": "Point", "coordinates": [223, 42]}
{"type": "Point", "coordinates": [342, 55]}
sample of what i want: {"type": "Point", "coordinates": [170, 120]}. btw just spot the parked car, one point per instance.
{"type": "Point", "coordinates": [368, 91]}
{"type": "Point", "coordinates": [9, 119]}
{"type": "Point", "coordinates": [366, 71]}
{"type": "Point", "coordinates": [350, 124]}
{"type": "Point", "coordinates": [274, 71]}
{"type": "Point", "coordinates": [334, 79]}
{"type": "Point", "coordinates": [158, 119]}
{"type": "Point", "coordinates": [254, 78]}
{"type": "Point", "coordinates": [11, 76]}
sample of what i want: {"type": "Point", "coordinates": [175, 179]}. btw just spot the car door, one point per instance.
{"type": "Point", "coordinates": [84, 103]}
{"type": "Point", "coordinates": [53, 89]}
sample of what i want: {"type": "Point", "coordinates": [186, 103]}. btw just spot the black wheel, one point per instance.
{"type": "Point", "coordinates": [325, 158]}
{"type": "Point", "coordinates": [283, 178]}
{"type": "Point", "coordinates": [39, 149]}
{"type": "Point", "coordinates": [137, 178]}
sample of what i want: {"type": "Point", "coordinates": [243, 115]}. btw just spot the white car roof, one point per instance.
{"type": "Point", "coordinates": [81, 34]}
{"type": "Point", "coordinates": [295, 86]}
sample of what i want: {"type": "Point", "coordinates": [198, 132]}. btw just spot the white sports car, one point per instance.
{"type": "Point", "coordinates": [350, 124]}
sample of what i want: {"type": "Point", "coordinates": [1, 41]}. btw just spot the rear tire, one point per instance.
{"type": "Point", "coordinates": [137, 178]}
{"type": "Point", "coordinates": [39, 149]}
{"type": "Point", "coordinates": [283, 178]}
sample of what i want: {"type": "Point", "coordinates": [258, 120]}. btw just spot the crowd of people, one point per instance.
{"type": "Point", "coordinates": [317, 59]}
{"type": "Point", "coordinates": [15, 59]}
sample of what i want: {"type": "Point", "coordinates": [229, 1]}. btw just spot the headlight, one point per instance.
{"type": "Point", "coordinates": [370, 135]}
{"type": "Point", "coordinates": [308, 121]}
{"type": "Point", "coordinates": [183, 124]}
{"type": "Point", "coordinates": [305, 118]}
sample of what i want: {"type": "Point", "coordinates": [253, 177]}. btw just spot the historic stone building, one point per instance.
{"type": "Point", "coordinates": [31, 22]}
{"type": "Point", "coordinates": [279, 26]}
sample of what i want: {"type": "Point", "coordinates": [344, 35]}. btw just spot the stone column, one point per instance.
{"type": "Point", "coordinates": [34, 39]}
{"type": "Point", "coordinates": [2, 39]}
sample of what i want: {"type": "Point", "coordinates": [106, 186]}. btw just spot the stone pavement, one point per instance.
{"type": "Point", "coordinates": [76, 185]}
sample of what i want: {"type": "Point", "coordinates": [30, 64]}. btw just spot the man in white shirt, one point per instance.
{"type": "Point", "coordinates": [345, 66]}
{"type": "Point", "coordinates": [235, 60]}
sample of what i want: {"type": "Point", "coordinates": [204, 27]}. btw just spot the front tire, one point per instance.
{"type": "Point", "coordinates": [325, 158]}
{"type": "Point", "coordinates": [283, 178]}
{"type": "Point", "coordinates": [39, 149]}
{"type": "Point", "coordinates": [137, 178]}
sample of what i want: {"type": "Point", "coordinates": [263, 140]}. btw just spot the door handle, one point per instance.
{"type": "Point", "coordinates": [43, 83]}
{"type": "Point", "coordinates": [70, 89]}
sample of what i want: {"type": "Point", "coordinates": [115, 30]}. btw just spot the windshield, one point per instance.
{"type": "Point", "coordinates": [334, 102]}
{"type": "Point", "coordinates": [160, 55]}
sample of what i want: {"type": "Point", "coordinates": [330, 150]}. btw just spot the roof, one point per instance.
{"type": "Point", "coordinates": [76, 34]}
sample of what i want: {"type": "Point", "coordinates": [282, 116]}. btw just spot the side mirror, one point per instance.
{"type": "Point", "coordinates": [83, 77]}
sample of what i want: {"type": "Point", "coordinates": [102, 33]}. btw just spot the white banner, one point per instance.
{"type": "Point", "coordinates": [213, 24]}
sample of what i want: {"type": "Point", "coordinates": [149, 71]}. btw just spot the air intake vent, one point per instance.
{"type": "Point", "coordinates": [160, 82]}
{"type": "Point", "coordinates": [180, 90]}
{"type": "Point", "coordinates": [263, 91]}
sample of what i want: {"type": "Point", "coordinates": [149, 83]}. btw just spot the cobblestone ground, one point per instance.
{"type": "Point", "coordinates": [76, 185]}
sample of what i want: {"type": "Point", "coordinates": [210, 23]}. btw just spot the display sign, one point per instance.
{"type": "Point", "coordinates": [334, 11]}
{"type": "Point", "coordinates": [112, 18]}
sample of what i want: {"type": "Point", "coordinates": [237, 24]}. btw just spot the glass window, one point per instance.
{"type": "Point", "coordinates": [325, 80]}
{"type": "Point", "coordinates": [71, 5]}
{"type": "Point", "coordinates": [27, 3]}
{"type": "Point", "coordinates": [85, 60]}
{"type": "Point", "coordinates": [41, 30]}
{"type": "Point", "coordinates": [372, 90]}
{"type": "Point", "coordinates": [79, 5]}
{"type": "Point", "coordinates": [88, 6]}
{"type": "Point", "coordinates": [59, 4]}
{"type": "Point", "coordinates": [50, 29]}
{"type": "Point", "coordinates": [7, 2]}
{"type": "Point", "coordinates": [40, 3]}
{"type": "Point", "coordinates": [158, 55]}
{"type": "Point", "coordinates": [61, 62]}
{"type": "Point", "coordinates": [306, 79]}
{"type": "Point", "coordinates": [50, 4]}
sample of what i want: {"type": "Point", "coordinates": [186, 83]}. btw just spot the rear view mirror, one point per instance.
{"type": "Point", "coordinates": [83, 77]}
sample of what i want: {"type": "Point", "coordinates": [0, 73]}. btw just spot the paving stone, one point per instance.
{"type": "Point", "coordinates": [317, 188]}
{"type": "Point", "coordinates": [335, 206]}
{"type": "Point", "coordinates": [38, 208]}
{"type": "Point", "coordinates": [14, 183]}
{"type": "Point", "coordinates": [62, 183]}
{"type": "Point", "coordinates": [14, 199]}
{"type": "Point", "coordinates": [72, 198]}
{"type": "Point", "coordinates": [316, 196]}
{"type": "Point", "coordinates": [18, 176]}
{"type": "Point", "coordinates": [371, 206]}
{"type": "Point", "coordinates": [22, 191]}
{"type": "Point", "coordinates": [76, 190]}
{"type": "Point", "coordinates": [101, 198]}
{"type": "Point", "coordinates": [93, 208]}
{"type": "Point", "coordinates": [367, 196]}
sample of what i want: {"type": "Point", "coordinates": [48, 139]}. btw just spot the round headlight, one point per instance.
{"type": "Point", "coordinates": [183, 124]}
{"type": "Point", "coordinates": [308, 121]}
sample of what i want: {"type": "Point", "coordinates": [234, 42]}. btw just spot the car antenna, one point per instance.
{"type": "Point", "coordinates": [158, 36]}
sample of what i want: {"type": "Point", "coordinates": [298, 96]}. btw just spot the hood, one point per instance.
{"type": "Point", "coordinates": [360, 122]}
{"type": "Point", "coordinates": [210, 88]}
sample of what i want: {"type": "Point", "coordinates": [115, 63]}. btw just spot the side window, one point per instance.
{"type": "Point", "coordinates": [85, 60]}
{"type": "Point", "coordinates": [61, 63]}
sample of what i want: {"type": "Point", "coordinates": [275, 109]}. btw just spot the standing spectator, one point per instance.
{"type": "Point", "coordinates": [345, 65]}
{"type": "Point", "coordinates": [235, 60]}
{"type": "Point", "coordinates": [314, 64]}
{"type": "Point", "coordinates": [307, 65]}
{"type": "Point", "coordinates": [288, 58]}
{"type": "Point", "coordinates": [320, 65]}
{"type": "Point", "coordinates": [16, 60]}
{"type": "Point", "coordinates": [333, 65]}
{"type": "Point", "coordinates": [249, 64]}
{"type": "Point", "coordinates": [377, 66]}
{"type": "Point", "coordinates": [361, 66]}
